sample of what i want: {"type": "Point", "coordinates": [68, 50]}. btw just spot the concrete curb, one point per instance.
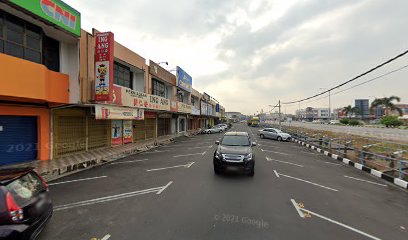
{"type": "Point", "coordinates": [396, 181]}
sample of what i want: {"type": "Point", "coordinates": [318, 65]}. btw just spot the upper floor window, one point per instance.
{"type": "Point", "coordinates": [122, 75]}
{"type": "Point", "coordinates": [158, 88]}
{"type": "Point", "coordinates": [192, 100]}
{"type": "Point", "coordinates": [24, 40]}
{"type": "Point", "coordinates": [180, 97]}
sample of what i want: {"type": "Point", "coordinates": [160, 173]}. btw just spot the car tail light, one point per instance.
{"type": "Point", "coordinates": [42, 180]}
{"type": "Point", "coordinates": [15, 211]}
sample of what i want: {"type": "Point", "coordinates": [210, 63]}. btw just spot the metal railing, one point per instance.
{"type": "Point", "coordinates": [379, 156]}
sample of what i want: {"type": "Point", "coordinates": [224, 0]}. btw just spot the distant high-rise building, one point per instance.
{"type": "Point", "coordinates": [363, 107]}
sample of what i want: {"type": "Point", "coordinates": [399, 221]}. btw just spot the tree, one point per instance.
{"type": "Point", "coordinates": [387, 103]}
{"type": "Point", "coordinates": [391, 121]}
{"type": "Point", "coordinates": [349, 110]}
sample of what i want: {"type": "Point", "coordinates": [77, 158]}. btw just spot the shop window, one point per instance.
{"type": "Point", "coordinates": [19, 38]}
{"type": "Point", "coordinates": [122, 75]}
{"type": "Point", "coordinates": [51, 53]}
{"type": "Point", "coordinates": [158, 88]}
{"type": "Point", "coordinates": [180, 97]}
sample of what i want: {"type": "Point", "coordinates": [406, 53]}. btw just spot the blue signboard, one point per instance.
{"type": "Point", "coordinates": [184, 81]}
{"type": "Point", "coordinates": [217, 107]}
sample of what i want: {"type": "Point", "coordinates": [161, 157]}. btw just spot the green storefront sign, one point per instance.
{"type": "Point", "coordinates": [54, 11]}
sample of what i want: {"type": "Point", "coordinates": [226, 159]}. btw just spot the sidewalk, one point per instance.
{"type": "Point", "coordinates": [70, 164]}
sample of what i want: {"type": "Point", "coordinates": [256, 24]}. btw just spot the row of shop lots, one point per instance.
{"type": "Point", "coordinates": [64, 89]}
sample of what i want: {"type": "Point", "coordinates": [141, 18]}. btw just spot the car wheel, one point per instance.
{"type": "Point", "coordinates": [216, 170]}
{"type": "Point", "coordinates": [261, 136]}
{"type": "Point", "coordinates": [252, 172]}
{"type": "Point", "coordinates": [279, 139]}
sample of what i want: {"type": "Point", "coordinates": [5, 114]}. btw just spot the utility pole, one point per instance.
{"type": "Point", "coordinates": [329, 106]}
{"type": "Point", "coordinates": [280, 125]}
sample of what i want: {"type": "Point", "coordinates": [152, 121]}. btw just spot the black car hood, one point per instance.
{"type": "Point", "coordinates": [234, 149]}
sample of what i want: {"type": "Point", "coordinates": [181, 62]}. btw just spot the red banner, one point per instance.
{"type": "Point", "coordinates": [104, 46]}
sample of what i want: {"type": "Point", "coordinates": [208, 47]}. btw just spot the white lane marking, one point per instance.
{"type": "Point", "coordinates": [131, 161]}
{"type": "Point", "coordinates": [210, 146]}
{"type": "Point", "coordinates": [274, 152]}
{"type": "Point", "coordinates": [270, 159]}
{"type": "Point", "coordinates": [106, 199]}
{"type": "Point", "coordinates": [189, 165]}
{"type": "Point", "coordinates": [276, 173]}
{"type": "Point", "coordinates": [306, 181]}
{"type": "Point", "coordinates": [164, 187]}
{"type": "Point", "coordinates": [106, 237]}
{"type": "Point", "coordinates": [190, 154]}
{"type": "Point", "coordinates": [297, 208]}
{"type": "Point", "coordinates": [156, 151]}
{"type": "Point", "coordinates": [77, 180]}
{"type": "Point", "coordinates": [164, 168]}
{"type": "Point", "coordinates": [340, 224]}
{"type": "Point", "coordinates": [363, 180]}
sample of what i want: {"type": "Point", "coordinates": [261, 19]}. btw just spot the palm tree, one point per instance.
{"type": "Point", "coordinates": [349, 110]}
{"type": "Point", "coordinates": [387, 103]}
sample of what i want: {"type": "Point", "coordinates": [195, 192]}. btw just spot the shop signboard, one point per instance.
{"type": "Point", "coordinates": [127, 131]}
{"type": "Point", "coordinates": [217, 107]}
{"type": "Point", "coordinates": [204, 110]}
{"type": "Point", "coordinates": [183, 108]}
{"type": "Point", "coordinates": [195, 111]}
{"type": "Point", "coordinates": [209, 109]}
{"type": "Point", "coordinates": [117, 132]}
{"type": "Point", "coordinates": [127, 97]}
{"type": "Point", "coordinates": [54, 11]}
{"type": "Point", "coordinates": [183, 80]}
{"type": "Point", "coordinates": [173, 106]}
{"type": "Point", "coordinates": [104, 46]}
{"type": "Point", "coordinates": [114, 112]}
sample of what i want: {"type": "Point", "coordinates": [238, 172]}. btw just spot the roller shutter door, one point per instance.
{"type": "Point", "coordinates": [18, 139]}
{"type": "Point", "coordinates": [150, 124]}
{"type": "Point", "coordinates": [139, 130]}
{"type": "Point", "coordinates": [163, 126]}
{"type": "Point", "coordinates": [69, 135]}
{"type": "Point", "coordinates": [98, 131]}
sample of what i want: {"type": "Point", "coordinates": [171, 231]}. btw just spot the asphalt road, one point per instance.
{"type": "Point", "coordinates": [295, 194]}
{"type": "Point", "coordinates": [391, 134]}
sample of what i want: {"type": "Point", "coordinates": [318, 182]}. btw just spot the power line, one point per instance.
{"type": "Point", "coordinates": [351, 80]}
{"type": "Point", "coordinates": [365, 82]}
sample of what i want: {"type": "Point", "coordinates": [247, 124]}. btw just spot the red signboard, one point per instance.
{"type": "Point", "coordinates": [104, 46]}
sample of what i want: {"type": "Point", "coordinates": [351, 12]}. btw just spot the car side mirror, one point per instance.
{"type": "Point", "coordinates": [253, 144]}
{"type": "Point", "coordinates": [217, 142]}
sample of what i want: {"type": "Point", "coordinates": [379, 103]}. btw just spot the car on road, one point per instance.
{"type": "Point", "coordinates": [25, 203]}
{"type": "Point", "coordinates": [273, 133]}
{"type": "Point", "coordinates": [234, 152]}
{"type": "Point", "coordinates": [223, 126]}
{"type": "Point", "coordinates": [214, 129]}
{"type": "Point", "coordinates": [334, 122]}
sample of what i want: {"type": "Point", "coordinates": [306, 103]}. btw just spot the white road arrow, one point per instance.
{"type": "Point", "coordinates": [188, 165]}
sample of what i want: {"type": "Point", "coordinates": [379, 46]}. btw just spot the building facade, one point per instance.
{"type": "Point", "coordinates": [39, 59]}
{"type": "Point", "coordinates": [363, 108]}
{"type": "Point", "coordinates": [66, 91]}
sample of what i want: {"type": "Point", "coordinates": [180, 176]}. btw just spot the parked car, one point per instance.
{"type": "Point", "coordinates": [274, 133]}
{"type": "Point", "coordinates": [235, 151]}
{"type": "Point", "coordinates": [25, 203]}
{"type": "Point", "coordinates": [214, 130]}
{"type": "Point", "coordinates": [223, 126]}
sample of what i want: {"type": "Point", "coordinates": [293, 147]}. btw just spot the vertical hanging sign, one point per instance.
{"type": "Point", "coordinates": [104, 46]}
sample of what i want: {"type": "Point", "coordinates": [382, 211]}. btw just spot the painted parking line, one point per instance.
{"type": "Point", "coordinates": [306, 181]}
{"type": "Point", "coordinates": [263, 150]}
{"type": "Point", "coordinates": [274, 160]}
{"type": "Point", "coordinates": [77, 180]}
{"type": "Point", "coordinates": [188, 165]}
{"type": "Point", "coordinates": [363, 180]}
{"type": "Point", "coordinates": [130, 161]}
{"type": "Point", "coordinates": [106, 237]}
{"type": "Point", "coordinates": [300, 211]}
{"type": "Point", "coordinates": [156, 190]}
{"type": "Point", "coordinates": [276, 173]}
{"type": "Point", "coordinates": [190, 154]}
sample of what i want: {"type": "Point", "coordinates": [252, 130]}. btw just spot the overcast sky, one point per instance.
{"type": "Point", "coordinates": [248, 54]}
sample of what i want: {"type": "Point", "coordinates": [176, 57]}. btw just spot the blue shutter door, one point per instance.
{"type": "Point", "coordinates": [18, 139]}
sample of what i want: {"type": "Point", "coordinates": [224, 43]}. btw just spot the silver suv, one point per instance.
{"type": "Point", "coordinates": [274, 133]}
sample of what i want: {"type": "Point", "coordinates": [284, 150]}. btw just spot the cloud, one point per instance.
{"type": "Point", "coordinates": [250, 53]}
